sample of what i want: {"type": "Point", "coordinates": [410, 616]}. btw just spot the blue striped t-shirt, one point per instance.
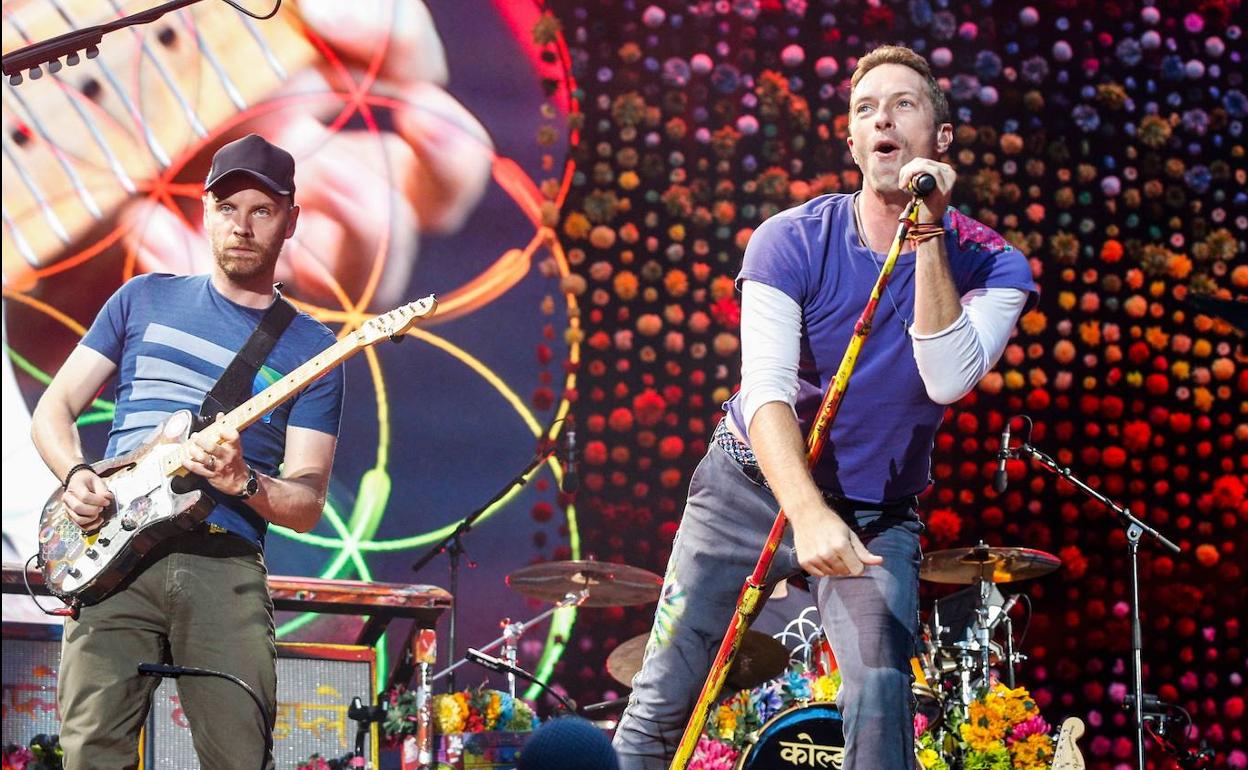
{"type": "Point", "coordinates": [171, 338]}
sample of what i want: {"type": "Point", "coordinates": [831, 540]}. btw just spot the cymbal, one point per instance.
{"type": "Point", "coordinates": [759, 660]}
{"type": "Point", "coordinates": [610, 585]}
{"type": "Point", "coordinates": [995, 565]}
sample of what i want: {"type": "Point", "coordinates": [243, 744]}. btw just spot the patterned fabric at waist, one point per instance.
{"type": "Point", "coordinates": [742, 455]}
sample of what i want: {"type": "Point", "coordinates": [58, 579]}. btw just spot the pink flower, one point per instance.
{"type": "Point", "coordinates": [712, 755]}
{"type": "Point", "coordinates": [18, 758]}
{"type": "Point", "coordinates": [920, 724]}
{"type": "Point", "coordinates": [1028, 727]}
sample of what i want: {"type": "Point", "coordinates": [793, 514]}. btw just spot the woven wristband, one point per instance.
{"type": "Point", "coordinates": [70, 475]}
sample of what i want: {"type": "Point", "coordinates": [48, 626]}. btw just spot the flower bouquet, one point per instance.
{"type": "Point", "coordinates": [1001, 730]}
{"type": "Point", "coordinates": [739, 718]}
{"type": "Point", "coordinates": [472, 728]}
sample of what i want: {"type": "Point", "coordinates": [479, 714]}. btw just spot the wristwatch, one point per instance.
{"type": "Point", "coordinates": [252, 487]}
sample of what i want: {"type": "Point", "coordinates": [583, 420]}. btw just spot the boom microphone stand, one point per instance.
{"type": "Point", "coordinates": [163, 670]}
{"type": "Point", "coordinates": [1135, 529]}
{"type": "Point", "coordinates": [453, 546]}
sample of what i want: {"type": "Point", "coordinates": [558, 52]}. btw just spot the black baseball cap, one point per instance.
{"type": "Point", "coordinates": [258, 158]}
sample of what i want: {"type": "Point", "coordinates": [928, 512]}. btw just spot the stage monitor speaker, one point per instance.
{"type": "Point", "coordinates": [315, 685]}
{"type": "Point", "coordinates": [28, 668]}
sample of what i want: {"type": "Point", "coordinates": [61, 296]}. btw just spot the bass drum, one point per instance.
{"type": "Point", "coordinates": [802, 736]}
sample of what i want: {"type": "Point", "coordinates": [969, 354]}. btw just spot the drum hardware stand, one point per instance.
{"type": "Point", "coordinates": [511, 636]}
{"type": "Point", "coordinates": [1135, 529]}
{"type": "Point", "coordinates": [1009, 652]}
{"type": "Point", "coordinates": [982, 633]}
{"type": "Point", "coordinates": [453, 546]}
{"type": "Point", "coordinates": [364, 716]}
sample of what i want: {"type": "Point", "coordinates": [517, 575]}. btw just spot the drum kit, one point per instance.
{"type": "Point", "coordinates": [959, 645]}
{"type": "Point", "coordinates": [967, 640]}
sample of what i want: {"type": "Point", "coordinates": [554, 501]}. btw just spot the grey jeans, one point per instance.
{"type": "Point", "coordinates": [871, 621]}
{"type": "Point", "coordinates": [198, 600]}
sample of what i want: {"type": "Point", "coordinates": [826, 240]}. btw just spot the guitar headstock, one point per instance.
{"type": "Point", "coordinates": [1066, 754]}
{"type": "Point", "coordinates": [397, 321]}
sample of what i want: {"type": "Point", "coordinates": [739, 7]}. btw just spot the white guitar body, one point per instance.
{"type": "Point", "coordinates": [87, 567]}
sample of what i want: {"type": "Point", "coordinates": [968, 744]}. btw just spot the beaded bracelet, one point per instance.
{"type": "Point", "coordinates": [70, 475]}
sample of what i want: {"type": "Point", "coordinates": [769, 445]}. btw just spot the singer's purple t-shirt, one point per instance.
{"type": "Point", "coordinates": [880, 445]}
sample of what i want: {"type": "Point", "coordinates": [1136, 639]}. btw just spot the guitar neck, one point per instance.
{"type": "Point", "coordinates": [265, 401]}
{"type": "Point", "coordinates": [273, 396]}
{"type": "Point", "coordinates": [385, 326]}
{"type": "Point", "coordinates": [80, 142]}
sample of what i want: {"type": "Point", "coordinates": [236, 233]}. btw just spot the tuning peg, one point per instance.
{"type": "Point", "coordinates": [397, 338]}
{"type": "Point", "coordinates": [35, 73]}
{"type": "Point", "coordinates": [16, 79]}
{"type": "Point", "coordinates": [92, 52]}
{"type": "Point", "coordinates": [54, 66]}
{"type": "Point", "coordinates": [73, 58]}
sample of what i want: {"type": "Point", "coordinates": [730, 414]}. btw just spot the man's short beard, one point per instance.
{"type": "Point", "coordinates": [245, 269]}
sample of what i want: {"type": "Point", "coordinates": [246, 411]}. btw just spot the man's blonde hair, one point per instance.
{"type": "Point", "coordinates": [899, 54]}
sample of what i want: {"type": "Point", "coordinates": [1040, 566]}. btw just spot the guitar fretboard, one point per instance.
{"type": "Point", "coordinates": [396, 322]}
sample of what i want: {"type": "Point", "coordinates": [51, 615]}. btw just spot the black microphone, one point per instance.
{"type": "Point", "coordinates": [921, 185]}
{"type": "Point", "coordinates": [503, 667]}
{"type": "Point", "coordinates": [571, 480]}
{"type": "Point", "coordinates": [999, 480]}
{"type": "Point", "coordinates": [496, 664]}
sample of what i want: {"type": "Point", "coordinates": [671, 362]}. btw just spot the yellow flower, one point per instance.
{"type": "Point", "coordinates": [493, 709]}
{"type": "Point", "coordinates": [928, 757]}
{"type": "Point", "coordinates": [1035, 752]}
{"type": "Point", "coordinates": [984, 727]}
{"type": "Point", "coordinates": [824, 689]}
{"type": "Point", "coordinates": [980, 738]}
{"type": "Point", "coordinates": [726, 721]}
{"type": "Point", "coordinates": [449, 712]}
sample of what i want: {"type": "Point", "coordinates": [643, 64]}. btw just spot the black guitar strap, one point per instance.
{"type": "Point", "coordinates": [234, 386]}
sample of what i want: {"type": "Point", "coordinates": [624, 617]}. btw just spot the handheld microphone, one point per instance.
{"type": "Point", "coordinates": [921, 185]}
{"type": "Point", "coordinates": [571, 480]}
{"type": "Point", "coordinates": [999, 479]}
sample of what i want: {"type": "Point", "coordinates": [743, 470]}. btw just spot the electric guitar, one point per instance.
{"type": "Point", "coordinates": [149, 504]}
{"type": "Point", "coordinates": [1066, 754]}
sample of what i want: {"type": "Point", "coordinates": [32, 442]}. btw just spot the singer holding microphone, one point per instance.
{"type": "Point", "coordinates": [956, 292]}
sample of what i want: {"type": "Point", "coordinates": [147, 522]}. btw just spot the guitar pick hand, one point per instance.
{"type": "Point", "coordinates": [86, 498]}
